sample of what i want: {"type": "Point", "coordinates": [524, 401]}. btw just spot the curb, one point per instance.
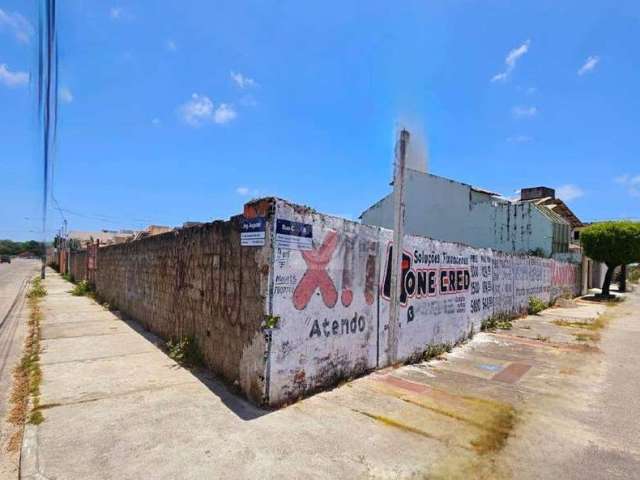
{"type": "Point", "coordinates": [29, 454]}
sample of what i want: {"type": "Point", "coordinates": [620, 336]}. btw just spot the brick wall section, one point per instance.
{"type": "Point", "coordinates": [78, 265]}
{"type": "Point", "coordinates": [196, 282]}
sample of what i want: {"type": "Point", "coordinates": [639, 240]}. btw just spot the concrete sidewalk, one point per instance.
{"type": "Point", "coordinates": [117, 407]}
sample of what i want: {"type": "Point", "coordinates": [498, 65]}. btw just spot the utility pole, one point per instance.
{"type": "Point", "coordinates": [398, 234]}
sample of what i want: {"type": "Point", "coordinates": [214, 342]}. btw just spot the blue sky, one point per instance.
{"type": "Point", "coordinates": [177, 111]}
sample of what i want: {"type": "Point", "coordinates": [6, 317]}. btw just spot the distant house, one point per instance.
{"type": "Point", "coordinates": [152, 230]}
{"type": "Point", "coordinates": [445, 209]}
{"type": "Point", "coordinates": [547, 197]}
{"type": "Point", "coordinates": [191, 224]}
{"type": "Point", "coordinates": [106, 237]}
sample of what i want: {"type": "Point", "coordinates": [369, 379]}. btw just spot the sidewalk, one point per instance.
{"type": "Point", "coordinates": [116, 406]}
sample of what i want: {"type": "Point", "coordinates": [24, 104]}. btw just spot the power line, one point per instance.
{"type": "Point", "coordinates": [47, 99]}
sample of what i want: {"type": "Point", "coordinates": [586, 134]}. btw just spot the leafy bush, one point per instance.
{"type": "Point", "coordinates": [535, 306]}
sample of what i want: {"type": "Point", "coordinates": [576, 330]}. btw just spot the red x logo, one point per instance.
{"type": "Point", "coordinates": [316, 275]}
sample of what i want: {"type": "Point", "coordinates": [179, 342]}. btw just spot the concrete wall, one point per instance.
{"type": "Point", "coordinates": [447, 210]}
{"type": "Point", "coordinates": [322, 284]}
{"type": "Point", "coordinates": [333, 318]}
{"type": "Point", "coordinates": [327, 303]}
{"type": "Point", "coordinates": [196, 282]}
{"type": "Point", "coordinates": [78, 265]}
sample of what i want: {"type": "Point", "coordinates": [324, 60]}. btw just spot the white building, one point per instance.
{"type": "Point", "coordinates": [444, 209]}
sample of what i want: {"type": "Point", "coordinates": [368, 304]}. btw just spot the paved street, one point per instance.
{"type": "Point", "coordinates": [13, 280]}
{"type": "Point", "coordinates": [550, 398]}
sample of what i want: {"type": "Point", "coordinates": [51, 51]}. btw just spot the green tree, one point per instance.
{"type": "Point", "coordinates": [9, 247]}
{"type": "Point", "coordinates": [612, 243]}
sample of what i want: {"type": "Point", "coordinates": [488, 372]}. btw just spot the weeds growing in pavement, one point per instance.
{"type": "Point", "coordinates": [436, 350]}
{"type": "Point", "coordinates": [27, 376]}
{"type": "Point", "coordinates": [501, 321]}
{"type": "Point", "coordinates": [185, 351]}
{"type": "Point", "coordinates": [36, 290]}
{"type": "Point", "coordinates": [535, 306]}
{"type": "Point", "coordinates": [82, 289]}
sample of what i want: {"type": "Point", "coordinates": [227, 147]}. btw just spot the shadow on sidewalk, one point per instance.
{"type": "Point", "coordinates": [233, 401]}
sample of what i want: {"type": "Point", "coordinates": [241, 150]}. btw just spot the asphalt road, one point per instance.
{"type": "Point", "coordinates": [13, 283]}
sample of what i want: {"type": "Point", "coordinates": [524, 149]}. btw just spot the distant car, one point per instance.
{"type": "Point", "coordinates": [5, 259]}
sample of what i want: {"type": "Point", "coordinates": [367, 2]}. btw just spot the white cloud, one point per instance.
{"type": "Point", "coordinates": [510, 61]}
{"type": "Point", "coordinates": [631, 182]}
{"type": "Point", "coordinates": [119, 13]}
{"type": "Point", "coordinates": [243, 81]}
{"type": "Point", "coordinates": [569, 192]}
{"type": "Point", "coordinates": [224, 113]}
{"type": "Point", "coordinates": [200, 110]}
{"type": "Point", "coordinates": [520, 139]}
{"type": "Point", "coordinates": [171, 46]}
{"type": "Point", "coordinates": [65, 95]}
{"type": "Point", "coordinates": [522, 111]}
{"type": "Point", "coordinates": [12, 79]}
{"type": "Point", "coordinates": [589, 64]}
{"type": "Point", "coordinates": [246, 191]}
{"type": "Point", "coordinates": [197, 110]}
{"type": "Point", "coordinates": [17, 24]}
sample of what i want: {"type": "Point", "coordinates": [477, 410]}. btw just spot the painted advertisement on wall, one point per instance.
{"type": "Point", "coordinates": [445, 292]}
{"type": "Point", "coordinates": [565, 280]}
{"type": "Point", "coordinates": [325, 294]}
{"type": "Point", "coordinates": [331, 288]}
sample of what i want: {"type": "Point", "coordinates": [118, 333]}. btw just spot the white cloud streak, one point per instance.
{"type": "Point", "coordinates": [65, 95]}
{"type": "Point", "coordinates": [569, 192]}
{"type": "Point", "coordinates": [242, 81]}
{"type": "Point", "coordinates": [201, 110]}
{"type": "Point", "coordinates": [18, 25]}
{"type": "Point", "coordinates": [12, 79]}
{"type": "Point", "coordinates": [120, 13]}
{"type": "Point", "coordinates": [631, 183]}
{"type": "Point", "coordinates": [524, 112]}
{"type": "Point", "coordinates": [510, 62]}
{"type": "Point", "coordinates": [246, 191]}
{"type": "Point", "coordinates": [589, 65]}
{"type": "Point", "coordinates": [520, 139]}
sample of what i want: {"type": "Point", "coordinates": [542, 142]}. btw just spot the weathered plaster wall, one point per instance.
{"type": "Point", "coordinates": [332, 327]}
{"type": "Point", "coordinates": [78, 265]}
{"type": "Point", "coordinates": [451, 211]}
{"type": "Point", "coordinates": [297, 315]}
{"type": "Point", "coordinates": [436, 207]}
{"type": "Point", "coordinates": [327, 301]}
{"type": "Point", "coordinates": [517, 228]}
